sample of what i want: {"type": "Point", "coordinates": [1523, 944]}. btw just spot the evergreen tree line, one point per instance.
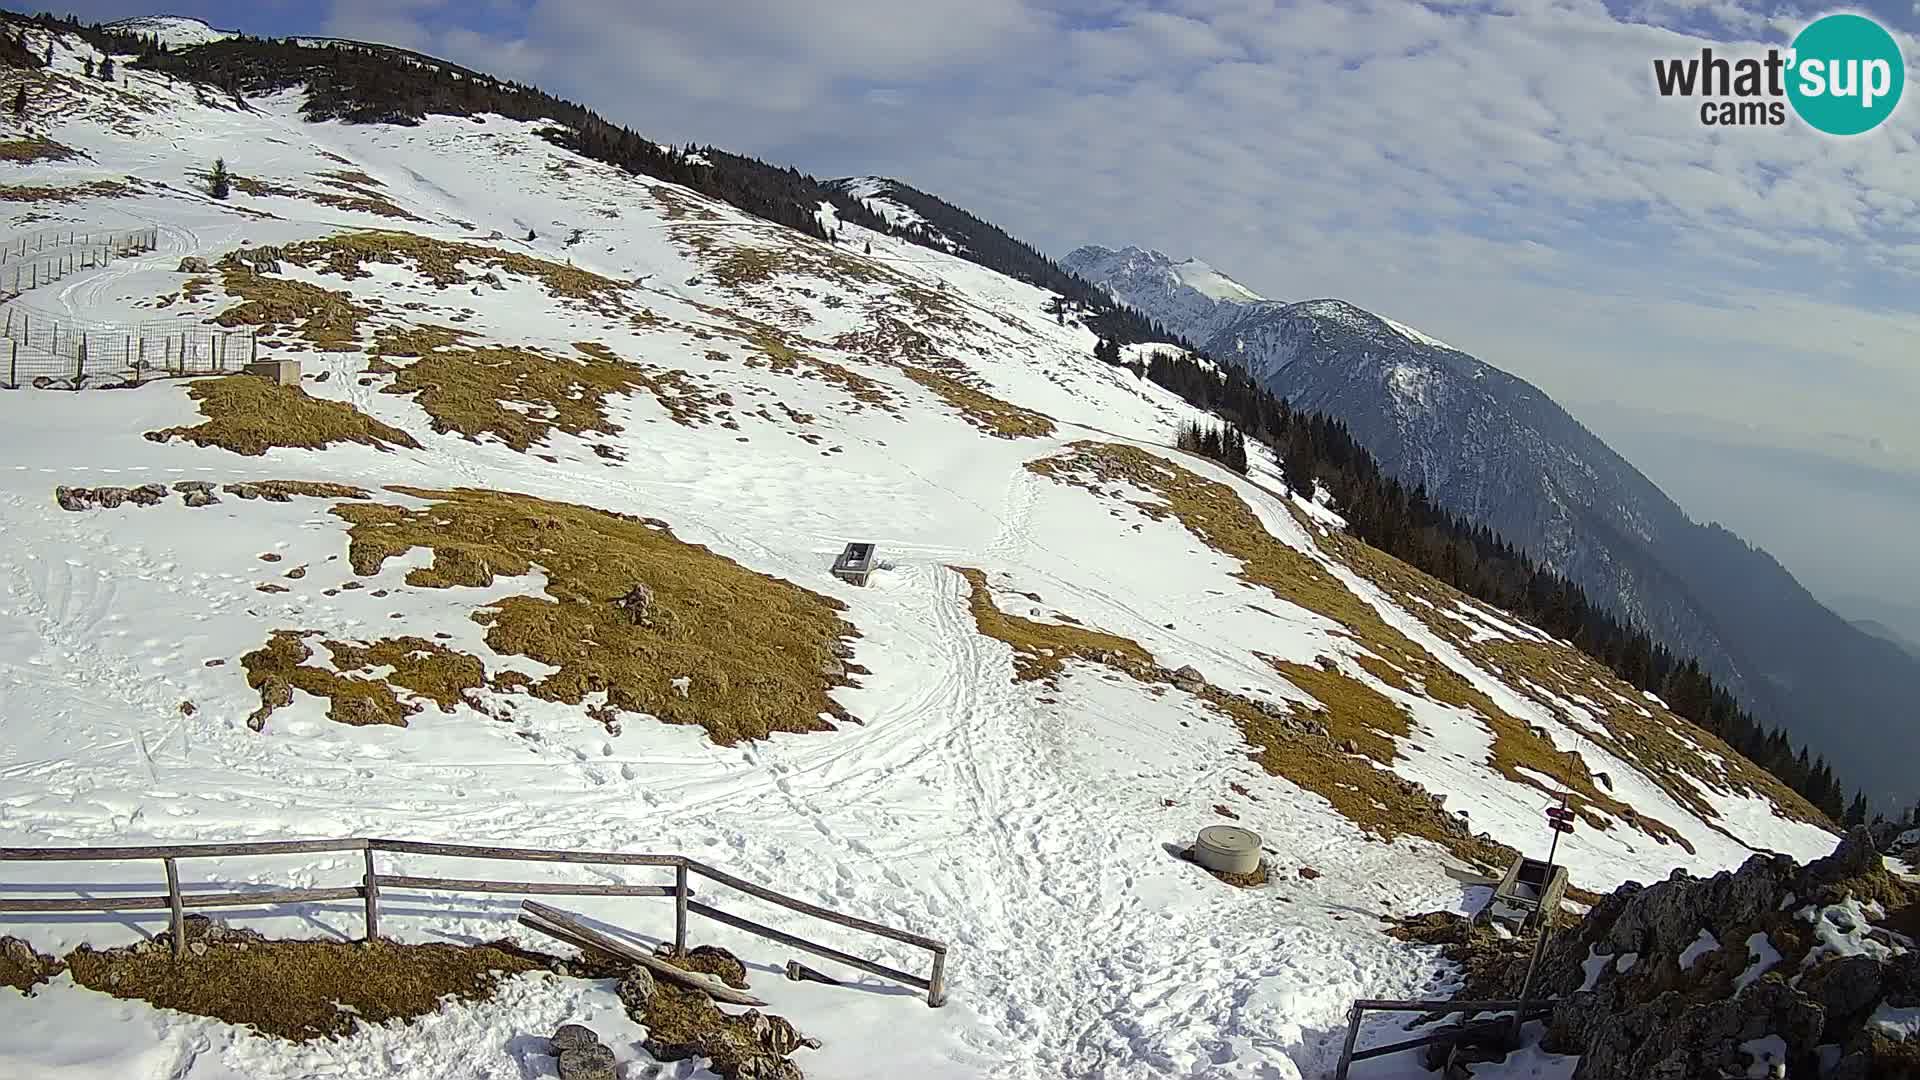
{"type": "Point", "coordinates": [1317, 452]}
{"type": "Point", "coordinates": [1223, 443]}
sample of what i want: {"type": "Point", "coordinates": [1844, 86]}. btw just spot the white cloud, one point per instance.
{"type": "Point", "coordinates": [1499, 172]}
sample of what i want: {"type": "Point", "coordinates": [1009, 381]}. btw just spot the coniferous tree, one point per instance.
{"type": "Point", "coordinates": [106, 69]}
{"type": "Point", "coordinates": [220, 185]}
{"type": "Point", "coordinates": [89, 67]}
{"type": "Point", "coordinates": [49, 55]}
{"type": "Point", "coordinates": [20, 102]}
{"type": "Point", "coordinates": [1856, 811]}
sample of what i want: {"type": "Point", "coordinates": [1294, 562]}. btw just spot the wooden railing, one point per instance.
{"type": "Point", "coordinates": [372, 882]}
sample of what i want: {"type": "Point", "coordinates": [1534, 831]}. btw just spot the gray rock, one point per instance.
{"type": "Point", "coordinates": [200, 498]}
{"type": "Point", "coordinates": [193, 485]}
{"type": "Point", "coordinates": [198, 948]}
{"type": "Point", "coordinates": [73, 498]}
{"type": "Point", "coordinates": [574, 1037]}
{"type": "Point", "coordinates": [594, 1062]}
{"type": "Point", "coordinates": [1845, 987]}
{"type": "Point", "coordinates": [110, 497]}
{"type": "Point", "coordinates": [1188, 678]}
{"type": "Point", "coordinates": [637, 990]}
{"type": "Point", "coordinates": [192, 264]}
{"type": "Point", "coordinates": [148, 494]}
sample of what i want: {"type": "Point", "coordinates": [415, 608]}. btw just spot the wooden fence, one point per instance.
{"type": "Point", "coordinates": [372, 882]}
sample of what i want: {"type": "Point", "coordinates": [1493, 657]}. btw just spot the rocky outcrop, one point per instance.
{"type": "Point", "coordinates": [1771, 966]}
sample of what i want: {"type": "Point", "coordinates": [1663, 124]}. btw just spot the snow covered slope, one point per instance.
{"type": "Point", "coordinates": [175, 31]}
{"type": "Point", "coordinates": [993, 743]}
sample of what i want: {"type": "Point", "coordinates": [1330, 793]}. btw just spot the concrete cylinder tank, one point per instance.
{"type": "Point", "coordinates": [1227, 849]}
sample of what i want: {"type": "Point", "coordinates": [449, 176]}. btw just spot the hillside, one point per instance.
{"type": "Point", "coordinates": [1497, 450]}
{"type": "Point", "coordinates": [537, 554]}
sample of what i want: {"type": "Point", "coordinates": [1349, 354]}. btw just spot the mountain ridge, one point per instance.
{"type": "Point", "coordinates": [1497, 449]}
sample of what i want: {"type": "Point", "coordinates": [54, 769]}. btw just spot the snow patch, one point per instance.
{"type": "Point", "coordinates": [1701, 946]}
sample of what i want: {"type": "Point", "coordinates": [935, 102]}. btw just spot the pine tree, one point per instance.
{"type": "Point", "coordinates": [20, 102]}
{"type": "Point", "coordinates": [1856, 811]}
{"type": "Point", "coordinates": [869, 247]}
{"type": "Point", "coordinates": [89, 67]}
{"type": "Point", "coordinates": [49, 54]}
{"type": "Point", "coordinates": [220, 185]}
{"type": "Point", "coordinates": [106, 70]}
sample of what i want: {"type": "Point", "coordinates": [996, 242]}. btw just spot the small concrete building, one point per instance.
{"type": "Point", "coordinates": [277, 372]}
{"type": "Point", "coordinates": [1531, 886]}
{"type": "Point", "coordinates": [856, 564]}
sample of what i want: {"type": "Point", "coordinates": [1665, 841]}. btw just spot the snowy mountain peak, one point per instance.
{"type": "Point", "coordinates": [176, 31]}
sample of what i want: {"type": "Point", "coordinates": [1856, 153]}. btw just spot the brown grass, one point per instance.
{"type": "Point", "coordinates": [1371, 797]}
{"type": "Point", "coordinates": [1662, 745]}
{"type": "Point", "coordinates": [424, 667]}
{"type": "Point", "coordinates": [447, 263]}
{"type": "Point", "coordinates": [467, 390]}
{"type": "Point", "coordinates": [102, 189]}
{"type": "Point", "coordinates": [1040, 650]}
{"type": "Point", "coordinates": [327, 319]}
{"type": "Point", "coordinates": [988, 413]}
{"type": "Point", "coordinates": [23, 967]}
{"type": "Point", "coordinates": [680, 393]}
{"type": "Point", "coordinates": [250, 415]}
{"type": "Point", "coordinates": [1219, 518]}
{"type": "Point", "coordinates": [39, 148]}
{"type": "Point", "coordinates": [362, 201]}
{"type": "Point", "coordinates": [761, 655]}
{"type": "Point", "coordinates": [302, 990]}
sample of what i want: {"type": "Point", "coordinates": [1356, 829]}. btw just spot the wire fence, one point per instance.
{"type": "Point", "coordinates": [47, 350]}
{"type": "Point", "coordinates": [28, 262]}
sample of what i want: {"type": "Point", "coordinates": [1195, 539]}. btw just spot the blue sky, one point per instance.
{"type": "Point", "coordinates": [1498, 173]}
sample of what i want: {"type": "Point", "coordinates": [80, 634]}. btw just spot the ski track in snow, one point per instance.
{"type": "Point", "coordinates": [1027, 825]}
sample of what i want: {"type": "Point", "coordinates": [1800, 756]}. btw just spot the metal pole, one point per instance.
{"type": "Point", "coordinates": [179, 919]}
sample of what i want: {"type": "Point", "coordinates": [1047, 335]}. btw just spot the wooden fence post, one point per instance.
{"type": "Point", "coordinates": [174, 903]}
{"type": "Point", "coordinates": [937, 981]}
{"type": "Point", "coordinates": [13, 364]}
{"type": "Point", "coordinates": [680, 908]}
{"type": "Point", "coordinates": [372, 886]}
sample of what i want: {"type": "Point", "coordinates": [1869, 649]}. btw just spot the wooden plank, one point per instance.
{"type": "Point", "coordinates": [553, 888]}
{"type": "Point", "coordinates": [785, 938]}
{"type": "Point", "coordinates": [556, 923]}
{"type": "Point", "coordinates": [680, 895]}
{"type": "Point", "coordinates": [177, 851]}
{"type": "Point", "coordinates": [192, 900]}
{"type": "Point", "coordinates": [818, 912]}
{"type": "Point", "coordinates": [1475, 1028]}
{"type": "Point", "coordinates": [470, 851]}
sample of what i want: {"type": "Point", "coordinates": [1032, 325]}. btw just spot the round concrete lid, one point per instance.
{"type": "Point", "coordinates": [1229, 839]}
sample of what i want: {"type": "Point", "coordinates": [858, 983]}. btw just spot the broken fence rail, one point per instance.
{"type": "Point", "coordinates": [1527, 1010]}
{"type": "Point", "coordinates": [372, 882]}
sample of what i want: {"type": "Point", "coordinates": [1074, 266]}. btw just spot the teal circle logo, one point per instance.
{"type": "Point", "coordinates": [1847, 74]}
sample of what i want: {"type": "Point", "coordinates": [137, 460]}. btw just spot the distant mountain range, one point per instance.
{"type": "Point", "coordinates": [1496, 449]}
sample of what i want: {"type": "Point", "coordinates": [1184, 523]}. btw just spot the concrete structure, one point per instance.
{"type": "Point", "coordinates": [1227, 849]}
{"type": "Point", "coordinates": [856, 564]}
{"type": "Point", "coordinates": [278, 372]}
{"type": "Point", "coordinates": [1530, 887]}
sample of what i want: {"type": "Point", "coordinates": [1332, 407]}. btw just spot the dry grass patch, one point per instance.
{"type": "Point", "coordinates": [327, 319]}
{"type": "Point", "coordinates": [1667, 748]}
{"type": "Point", "coordinates": [988, 413]}
{"type": "Point", "coordinates": [302, 990]}
{"type": "Point", "coordinates": [1212, 512]}
{"type": "Point", "coordinates": [680, 393]}
{"type": "Point", "coordinates": [424, 667]}
{"type": "Point", "coordinates": [362, 201]}
{"type": "Point", "coordinates": [23, 968]}
{"type": "Point", "coordinates": [448, 263]}
{"type": "Point", "coordinates": [38, 148]}
{"type": "Point", "coordinates": [474, 391]}
{"type": "Point", "coordinates": [98, 189]}
{"type": "Point", "coordinates": [1355, 712]}
{"type": "Point", "coordinates": [250, 415]}
{"type": "Point", "coordinates": [1369, 796]}
{"type": "Point", "coordinates": [739, 653]}
{"type": "Point", "coordinates": [1041, 650]}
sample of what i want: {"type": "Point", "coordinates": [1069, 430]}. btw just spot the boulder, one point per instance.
{"type": "Point", "coordinates": [594, 1062]}
{"type": "Point", "coordinates": [192, 264]}
{"type": "Point", "coordinates": [200, 498]}
{"type": "Point", "coordinates": [111, 497]}
{"type": "Point", "coordinates": [574, 1037]}
{"type": "Point", "coordinates": [637, 990]}
{"type": "Point", "coordinates": [73, 498]}
{"type": "Point", "coordinates": [1188, 678]}
{"type": "Point", "coordinates": [1845, 987]}
{"type": "Point", "coordinates": [148, 494]}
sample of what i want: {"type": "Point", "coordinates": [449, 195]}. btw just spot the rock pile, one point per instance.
{"type": "Point", "coordinates": [1771, 967]}
{"type": "Point", "coordinates": [580, 1055]}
